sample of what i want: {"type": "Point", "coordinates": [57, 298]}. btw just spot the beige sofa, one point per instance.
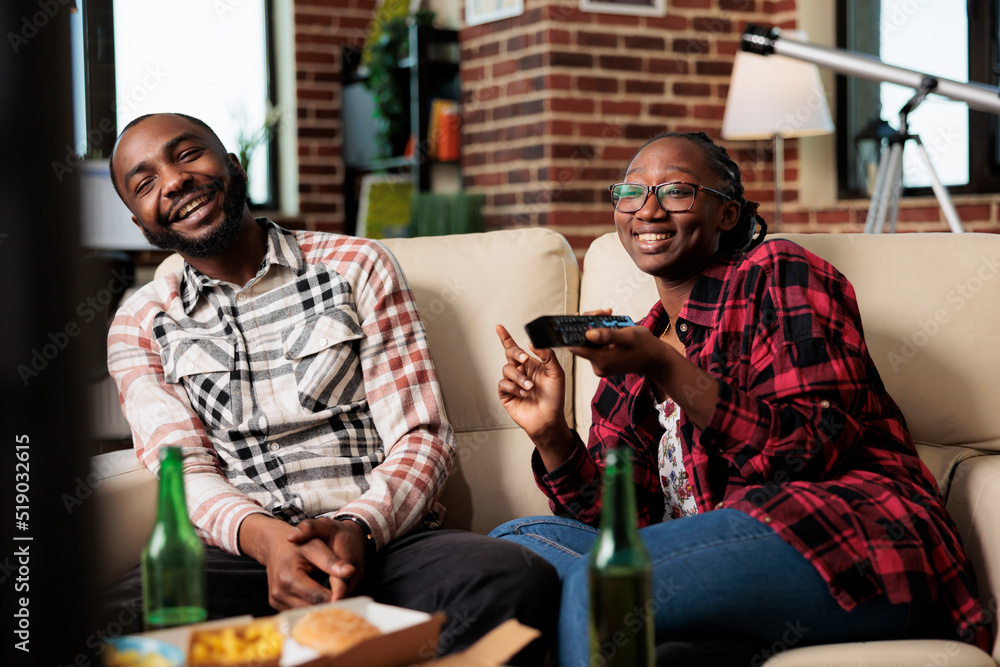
{"type": "Point", "coordinates": [930, 305]}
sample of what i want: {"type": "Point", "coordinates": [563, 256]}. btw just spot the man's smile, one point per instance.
{"type": "Point", "coordinates": [191, 206]}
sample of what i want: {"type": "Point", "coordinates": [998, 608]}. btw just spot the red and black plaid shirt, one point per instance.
{"type": "Point", "coordinates": [803, 437]}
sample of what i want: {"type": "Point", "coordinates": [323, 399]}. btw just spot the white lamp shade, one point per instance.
{"type": "Point", "coordinates": [105, 221]}
{"type": "Point", "coordinates": [775, 95]}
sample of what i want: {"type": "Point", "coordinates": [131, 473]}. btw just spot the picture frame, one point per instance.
{"type": "Point", "coordinates": [631, 7]}
{"type": "Point", "coordinates": [385, 206]}
{"type": "Point", "coordinates": [484, 11]}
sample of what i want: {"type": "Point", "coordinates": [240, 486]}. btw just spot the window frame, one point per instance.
{"type": "Point", "coordinates": [101, 90]}
{"type": "Point", "coordinates": [984, 156]}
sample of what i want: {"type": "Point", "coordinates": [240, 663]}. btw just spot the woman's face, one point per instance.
{"type": "Point", "coordinates": [674, 246]}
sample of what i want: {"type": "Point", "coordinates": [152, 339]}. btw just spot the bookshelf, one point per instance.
{"type": "Point", "coordinates": [429, 73]}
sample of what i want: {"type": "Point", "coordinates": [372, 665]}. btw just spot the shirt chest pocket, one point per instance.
{"type": "Point", "coordinates": [324, 353]}
{"type": "Point", "coordinates": [204, 366]}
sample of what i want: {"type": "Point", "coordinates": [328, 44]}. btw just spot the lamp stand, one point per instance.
{"type": "Point", "coordinates": [889, 177]}
{"type": "Point", "coordinates": [779, 172]}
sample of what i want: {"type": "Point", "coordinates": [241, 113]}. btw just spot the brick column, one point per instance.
{"type": "Point", "coordinates": [322, 28]}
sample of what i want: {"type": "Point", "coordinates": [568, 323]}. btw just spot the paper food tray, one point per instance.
{"type": "Point", "coordinates": [407, 636]}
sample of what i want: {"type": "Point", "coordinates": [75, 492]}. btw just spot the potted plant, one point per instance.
{"type": "Point", "coordinates": [388, 83]}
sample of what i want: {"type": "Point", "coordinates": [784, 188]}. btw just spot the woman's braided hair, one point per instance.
{"type": "Point", "coordinates": [740, 239]}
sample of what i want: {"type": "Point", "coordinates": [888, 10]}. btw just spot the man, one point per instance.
{"type": "Point", "coordinates": [293, 369]}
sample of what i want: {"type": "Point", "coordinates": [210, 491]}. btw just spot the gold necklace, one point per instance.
{"type": "Point", "coordinates": [666, 330]}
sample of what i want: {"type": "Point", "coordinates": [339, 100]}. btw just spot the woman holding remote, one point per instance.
{"type": "Point", "coordinates": [779, 493]}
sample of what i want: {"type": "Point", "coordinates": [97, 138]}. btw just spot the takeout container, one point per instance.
{"type": "Point", "coordinates": [408, 637]}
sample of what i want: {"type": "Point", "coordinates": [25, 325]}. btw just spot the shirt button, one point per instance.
{"type": "Point", "coordinates": [767, 519]}
{"type": "Point", "coordinates": [720, 505]}
{"type": "Point", "coordinates": [252, 345]}
{"type": "Point", "coordinates": [824, 404]}
{"type": "Point", "coordinates": [273, 446]}
{"type": "Point", "coordinates": [190, 367]}
{"type": "Point", "coordinates": [242, 298]}
{"type": "Point", "coordinates": [683, 327]}
{"type": "Point", "coordinates": [324, 341]}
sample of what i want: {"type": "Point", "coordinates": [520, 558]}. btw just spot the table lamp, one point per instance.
{"type": "Point", "coordinates": [775, 97]}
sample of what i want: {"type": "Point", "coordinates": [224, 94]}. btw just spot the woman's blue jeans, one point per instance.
{"type": "Point", "coordinates": [718, 573]}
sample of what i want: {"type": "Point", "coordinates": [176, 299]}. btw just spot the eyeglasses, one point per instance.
{"type": "Point", "coordinates": [674, 197]}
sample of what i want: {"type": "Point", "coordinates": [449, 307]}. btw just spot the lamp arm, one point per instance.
{"type": "Point", "coordinates": [766, 41]}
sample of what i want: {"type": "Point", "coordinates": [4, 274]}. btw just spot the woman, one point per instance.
{"type": "Point", "coordinates": [777, 485]}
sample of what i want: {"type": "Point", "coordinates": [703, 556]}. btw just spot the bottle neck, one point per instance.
{"type": "Point", "coordinates": [618, 514]}
{"type": "Point", "coordinates": [172, 507]}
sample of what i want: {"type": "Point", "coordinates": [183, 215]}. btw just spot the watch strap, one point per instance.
{"type": "Point", "coordinates": [369, 537]}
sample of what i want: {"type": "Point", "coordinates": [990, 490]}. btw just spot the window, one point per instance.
{"type": "Point", "coordinates": [212, 60]}
{"type": "Point", "coordinates": [934, 37]}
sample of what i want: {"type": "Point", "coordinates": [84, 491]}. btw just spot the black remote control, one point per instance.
{"type": "Point", "coordinates": [569, 330]}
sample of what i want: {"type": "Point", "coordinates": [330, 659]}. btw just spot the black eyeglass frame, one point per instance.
{"type": "Point", "coordinates": [655, 189]}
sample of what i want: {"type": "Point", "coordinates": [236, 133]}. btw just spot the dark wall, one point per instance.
{"type": "Point", "coordinates": [44, 548]}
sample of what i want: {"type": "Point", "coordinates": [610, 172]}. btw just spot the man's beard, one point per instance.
{"type": "Point", "coordinates": [162, 236]}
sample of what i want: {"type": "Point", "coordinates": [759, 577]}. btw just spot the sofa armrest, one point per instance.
{"type": "Point", "coordinates": [974, 504]}
{"type": "Point", "coordinates": [902, 653]}
{"type": "Point", "coordinates": [125, 501]}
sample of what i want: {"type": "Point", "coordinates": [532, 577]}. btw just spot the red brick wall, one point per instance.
{"type": "Point", "coordinates": [322, 29]}
{"type": "Point", "coordinates": [556, 101]}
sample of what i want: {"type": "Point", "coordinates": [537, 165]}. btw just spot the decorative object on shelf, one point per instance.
{"type": "Point", "coordinates": [443, 131]}
{"type": "Point", "coordinates": [438, 214]}
{"type": "Point", "coordinates": [385, 206]}
{"type": "Point", "coordinates": [633, 7]}
{"type": "Point", "coordinates": [774, 97]}
{"type": "Point", "coordinates": [484, 11]}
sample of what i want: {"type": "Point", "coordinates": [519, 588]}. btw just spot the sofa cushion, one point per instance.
{"type": "Point", "coordinates": [466, 284]}
{"type": "Point", "coordinates": [125, 496]}
{"type": "Point", "coordinates": [929, 306]}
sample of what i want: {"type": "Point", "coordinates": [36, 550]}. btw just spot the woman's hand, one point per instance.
{"type": "Point", "coordinates": [637, 350]}
{"type": "Point", "coordinates": [630, 350]}
{"type": "Point", "coordinates": [533, 391]}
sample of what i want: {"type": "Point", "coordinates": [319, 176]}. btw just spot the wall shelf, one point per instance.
{"type": "Point", "coordinates": [431, 71]}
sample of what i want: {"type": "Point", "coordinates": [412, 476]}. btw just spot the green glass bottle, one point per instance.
{"type": "Point", "coordinates": [621, 576]}
{"type": "Point", "coordinates": [173, 562]}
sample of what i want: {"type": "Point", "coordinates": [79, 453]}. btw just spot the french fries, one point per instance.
{"type": "Point", "coordinates": [256, 644]}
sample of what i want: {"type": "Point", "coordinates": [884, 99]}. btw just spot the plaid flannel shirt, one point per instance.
{"type": "Point", "coordinates": [803, 436]}
{"type": "Point", "coordinates": [308, 392]}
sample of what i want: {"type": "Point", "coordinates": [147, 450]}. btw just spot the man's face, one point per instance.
{"type": "Point", "coordinates": [185, 192]}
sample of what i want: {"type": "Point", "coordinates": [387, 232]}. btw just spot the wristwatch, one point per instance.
{"type": "Point", "coordinates": [369, 538]}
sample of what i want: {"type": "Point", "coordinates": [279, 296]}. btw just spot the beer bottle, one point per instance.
{"type": "Point", "coordinates": [173, 562]}
{"type": "Point", "coordinates": [620, 576]}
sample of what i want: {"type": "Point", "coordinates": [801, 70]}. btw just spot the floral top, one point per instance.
{"type": "Point", "coordinates": [677, 492]}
